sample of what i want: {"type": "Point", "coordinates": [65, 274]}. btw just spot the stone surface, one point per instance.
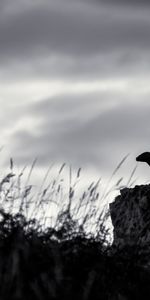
{"type": "Point", "coordinates": [130, 215]}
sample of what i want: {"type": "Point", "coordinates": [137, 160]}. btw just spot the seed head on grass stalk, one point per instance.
{"type": "Point", "coordinates": [114, 172]}
{"type": "Point", "coordinates": [27, 189]}
{"type": "Point", "coordinates": [49, 194]}
{"type": "Point", "coordinates": [31, 170]}
{"type": "Point", "coordinates": [41, 192]}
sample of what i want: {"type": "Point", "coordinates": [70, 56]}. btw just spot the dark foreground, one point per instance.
{"type": "Point", "coordinates": [60, 264]}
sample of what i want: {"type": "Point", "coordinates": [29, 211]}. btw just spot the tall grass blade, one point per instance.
{"type": "Point", "coordinates": [31, 170]}
{"type": "Point", "coordinates": [131, 176]}
{"type": "Point", "coordinates": [114, 172]}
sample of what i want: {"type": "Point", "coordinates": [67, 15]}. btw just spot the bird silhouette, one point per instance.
{"type": "Point", "coordinates": [144, 157]}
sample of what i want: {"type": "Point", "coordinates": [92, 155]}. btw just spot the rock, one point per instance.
{"type": "Point", "coordinates": [130, 215]}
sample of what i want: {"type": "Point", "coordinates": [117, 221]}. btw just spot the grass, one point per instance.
{"type": "Point", "coordinates": [67, 255]}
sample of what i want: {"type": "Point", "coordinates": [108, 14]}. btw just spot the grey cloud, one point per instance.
{"type": "Point", "coordinates": [65, 41]}
{"type": "Point", "coordinates": [117, 128]}
{"type": "Point", "coordinates": [59, 116]}
{"type": "Point", "coordinates": [119, 3]}
{"type": "Point", "coordinates": [53, 30]}
{"type": "Point", "coordinates": [83, 140]}
{"type": "Point", "coordinates": [56, 40]}
{"type": "Point", "coordinates": [124, 2]}
{"type": "Point", "coordinates": [109, 65]}
{"type": "Point", "coordinates": [10, 114]}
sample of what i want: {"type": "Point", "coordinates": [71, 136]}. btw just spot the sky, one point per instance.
{"type": "Point", "coordinates": [74, 84]}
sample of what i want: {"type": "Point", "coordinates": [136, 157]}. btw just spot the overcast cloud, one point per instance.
{"type": "Point", "coordinates": [75, 81]}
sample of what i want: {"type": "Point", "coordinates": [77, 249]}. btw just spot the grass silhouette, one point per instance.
{"type": "Point", "coordinates": [62, 257]}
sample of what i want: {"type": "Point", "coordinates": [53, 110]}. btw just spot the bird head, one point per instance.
{"type": "Point", "coordinates": [144, 157]}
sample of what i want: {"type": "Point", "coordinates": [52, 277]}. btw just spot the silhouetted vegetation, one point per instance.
{"type": "Point", "coordinates": [65, 258]}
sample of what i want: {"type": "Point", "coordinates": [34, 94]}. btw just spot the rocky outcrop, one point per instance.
{"type": "Point", "coordinates": [130, 215]}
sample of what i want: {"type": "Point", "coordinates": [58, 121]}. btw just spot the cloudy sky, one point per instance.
{"type": "Point", "coordinates": [74, 83]}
